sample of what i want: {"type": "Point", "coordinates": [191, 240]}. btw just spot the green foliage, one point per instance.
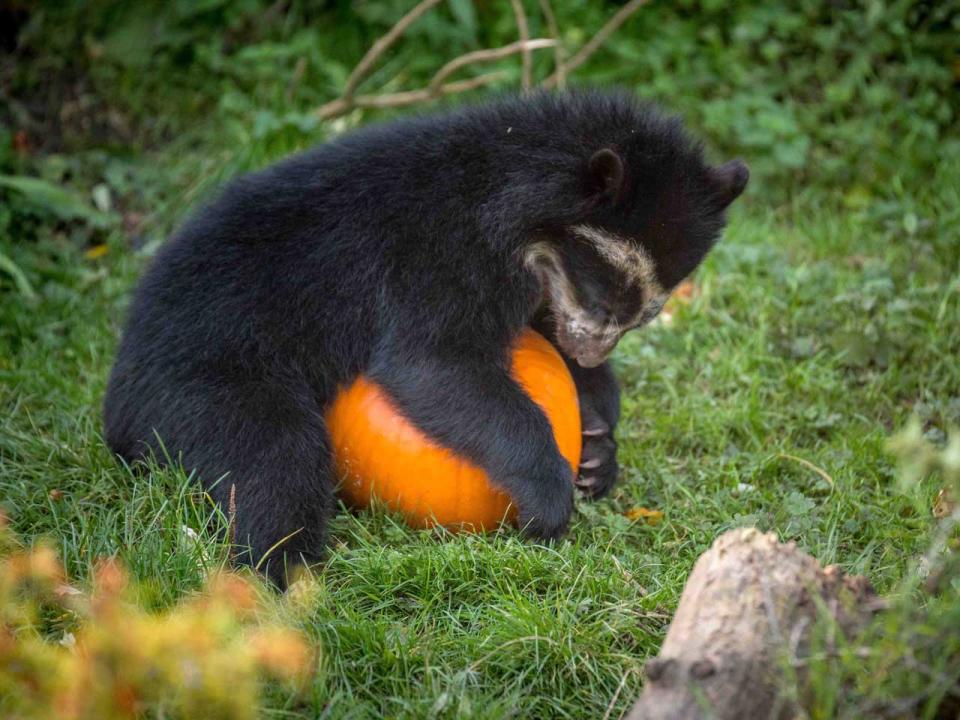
{"type": "Point", "coordinates": [844, 93]}
{"type": "Point", "coordinates": [45, 197]}
{"type": "Point", "coordinates": [907, 663]}
{"type": "Point", "coordinates": [850, 93]}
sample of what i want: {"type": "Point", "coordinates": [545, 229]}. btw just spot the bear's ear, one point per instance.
{"type": "Point", "coordinates": [728, 181]}
{"type": "Point", "coordinates": [607, 173]}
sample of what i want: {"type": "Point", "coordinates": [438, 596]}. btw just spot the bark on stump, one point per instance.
{"type": "Point", "coordinates": [748, 599]}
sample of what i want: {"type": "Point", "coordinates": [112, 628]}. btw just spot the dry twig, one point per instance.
{"type": "Point", "coordinates": [341, 106]}
{"type": "Point", "coordinates": [438, 87]}
{"type": "Point", "coordinates": [558, 53]}
{"type": "Point", "coordinates": [524, 30]}
{"type": "Point", "coordinates": [298, 70]}
{"type": "Point", "coordinates": [383, 44]}
{"type": "Point", "coordinates": [478, 56]}
{"type": "Point", "coordinates": [612, 25]}
{"type": "Point", "coordinates": [810, 466]}
{"type": "Point", "coordinates": [232, 522]}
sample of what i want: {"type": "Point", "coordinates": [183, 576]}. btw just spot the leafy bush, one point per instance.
{"type": "Point", "coordinates": [856, 91]}
{"type": "Point", "coordinates": [204, 658]}
{"type": "Point", "coordinates": [848, 92]}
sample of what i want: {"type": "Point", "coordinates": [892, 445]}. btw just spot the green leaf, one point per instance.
{"type": "Point", "coordinates": [466, 16]}
{"type": "Point", "coordinates": [56, 200]}
{"type": "Point", "coordinates": [797, 504]}
{"type": "Point", "coordinates": [910, 223]}
{"type": "Point", "coordinates": [19, 278]}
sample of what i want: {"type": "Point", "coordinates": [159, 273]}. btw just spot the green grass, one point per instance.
{"type": "Point", "coordinates": [818, 329]}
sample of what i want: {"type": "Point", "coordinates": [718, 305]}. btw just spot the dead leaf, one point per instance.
{"type": "Point", "coordinates": [856, 262]}
{"type": "Point", "coordinates": [684, 292]}
{"type": "Point", "coordinates": [650, 517]}
{"type": "Point", "coordinates": [96, 252]}
{"type": "Point", "coordinates": [945, 503]}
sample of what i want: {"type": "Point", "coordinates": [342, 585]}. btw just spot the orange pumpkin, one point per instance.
{"type": "Point", "coordinates": [378, 452]}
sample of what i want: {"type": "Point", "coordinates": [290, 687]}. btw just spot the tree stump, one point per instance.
{"type": "Point", "coordinates": [749, 599]}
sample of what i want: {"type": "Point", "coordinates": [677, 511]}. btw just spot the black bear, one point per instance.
{"type": "Point", "coordinates": [414, 252]}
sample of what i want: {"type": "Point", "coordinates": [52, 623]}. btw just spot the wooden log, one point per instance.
{"type": "Point", "coordinates": [748, 600]}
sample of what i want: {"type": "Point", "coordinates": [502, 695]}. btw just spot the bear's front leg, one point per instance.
{"type": "Point", "coordinates": [473, 407]}
{"type": "Point", "coordinates": [599, 395]}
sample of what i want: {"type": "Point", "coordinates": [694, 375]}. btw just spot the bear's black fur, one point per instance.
{"type": "Point", "coordinates": [400, 251]}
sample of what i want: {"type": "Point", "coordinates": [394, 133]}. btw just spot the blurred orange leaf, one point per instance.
{"type": "Point", "coordinates": [202, 658]}
{"type": "Point", "coordinates": [280, 651]}
{"type": "Point", "coordinates": [651, 517]}
{"type": "Point", "coordinates": [684, 292]}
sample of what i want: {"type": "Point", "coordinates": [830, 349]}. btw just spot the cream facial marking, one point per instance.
{"type": "Point", "coordinates": [633, 262]}
{"type": "Point", "coordinates": [542, 257]}
{"type": "Point", "coordinates": [585, 338]}
{"type": "Point", "coordinates": [581, 334]}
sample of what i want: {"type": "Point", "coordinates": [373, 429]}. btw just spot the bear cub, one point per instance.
{"type": "Point", "coordinates": [415, 252]}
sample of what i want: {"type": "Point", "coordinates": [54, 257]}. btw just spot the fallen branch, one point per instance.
{"type": "Point", "coordinates": [748, 601]}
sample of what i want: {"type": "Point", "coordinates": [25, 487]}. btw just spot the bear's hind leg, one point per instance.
{"type": "Point", "coordinates": [262, 439]}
